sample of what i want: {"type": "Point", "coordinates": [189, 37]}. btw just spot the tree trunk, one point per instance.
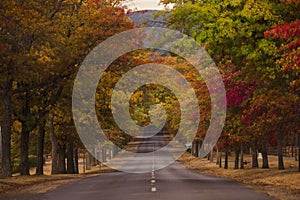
{"type": "Point", "coordinates": [88, 160]}
{"type": "Point", "coordinates": [226, 159]}
{"type": "Point", "coordinates": [220, 161]}
{"type": "Point", "coordinates": [6, 169]}
{"type": "Point", "coordinates": [54, 145]}
{"type": "Point", "coordinates": [208, 156]}
{"type": "Point", "coordinates": [218, 155]}
{"type": "Point", "coordinates": [237, 157]}
{"type": "Point", "coordinates": [61, 164]}
{"type": "Point", "coordinates": [41, 138]}
{"type": "Point", "coordinates": [93, 160]}
{"type": "Point", "coordinates": [265, 164]}
{"type": "Point", "coordinates": [116, 151]}
{"type": "Point", "coordinates": [24, 165]}
{"type": "Point", "coordinates": [70, 158]}
{"type": "Point", "coordinates": [299, 152]}
{"type": "Point", "coordinates": [294, 145]}
{"type": "Point", "coordinates": [197, 148]}
{"type": "Point", "coordinates": [280, 153]}
{"type": "Point", "coordinates": [242, 156]}
{"type": "Point", "coordinates": [40, 148]}
{"type": "Point", "coordinates": [103, 154]}
{"type": "Point", "coordinates": [192, 149]}
{"type": "Point", "coordinates": [211, 157]}
{"type": "Point", "coordinates": [83, 162]}
{"type": "Point", "coordinates": [76, 166]}
{"type": "Point", "coordinates": [254, 155]}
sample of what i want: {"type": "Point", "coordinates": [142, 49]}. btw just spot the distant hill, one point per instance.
{"type": "Point", "coordinates": [146, 17]}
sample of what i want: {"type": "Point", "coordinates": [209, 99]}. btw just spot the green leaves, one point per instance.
{"type": "Point", "coordinates": [233, 33]}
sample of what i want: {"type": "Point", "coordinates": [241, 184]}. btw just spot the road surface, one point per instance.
{"type": "Point", "coordinates": [174, 182]}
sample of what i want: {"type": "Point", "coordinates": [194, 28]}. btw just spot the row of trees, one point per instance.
{"type": "Point", "coordinates": [42, 45]}
{"type": "Point", "coordinates": [44, 42]}
{"type": "Point", "coordinates": [256, 46]}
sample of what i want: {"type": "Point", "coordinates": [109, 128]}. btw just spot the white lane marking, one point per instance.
{"type": "Point", "coordinates": [153, 188]}
{"type": "Point", "coordinates": [153, 159]}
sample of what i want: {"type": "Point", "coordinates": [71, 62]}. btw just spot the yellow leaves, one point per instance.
{"type": "Point", "coordinates": [233, 3]}
{"type": "Point", "coordinates": [137, 97]}
{"type": "Point", "coordinates": [44, 59]}
{"type": "Point", "coordinates": [257, 10]}
{"type": "Point", "coordinates": [226, 28]}
{"type": "Point", "coordinates": [17, 126]}
{"type": "Point", "coordinates": [43, 54]}
{"type": "Point", "coordinates": [267, 47]}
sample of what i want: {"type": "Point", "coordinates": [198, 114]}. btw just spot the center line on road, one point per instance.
{"type": "Point", "coordinates": [153, 189]}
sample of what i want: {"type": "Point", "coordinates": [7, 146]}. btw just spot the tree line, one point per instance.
{"type": "Point", "coordinates": [256, 46]}
{"type": "Point", "coordinates": [42, 45]}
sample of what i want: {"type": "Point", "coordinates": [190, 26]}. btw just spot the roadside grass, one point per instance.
{"type": "Point", "coordinates": [41, 184]}
{"type": "Point", "coordinates": [281, 184]}
{"type": "Point", "coordinates": [34, 184]}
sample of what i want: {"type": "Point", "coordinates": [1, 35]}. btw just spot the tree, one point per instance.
{"type": "Point", "coordinates": [20, 58]}
{"type": "Point", "coordinates": [34, 60]}
{"type": "Point", "coordinates": [287, 36]}
{"type": "Point", "coordinates": [233, 32]}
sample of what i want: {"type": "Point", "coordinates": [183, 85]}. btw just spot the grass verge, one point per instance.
{"type": "Point", "coordinates": [281, 184]}
{"type": "Point", "coordinates": [41, 184]}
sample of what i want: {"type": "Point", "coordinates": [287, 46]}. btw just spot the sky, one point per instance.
{"type": "Point", "coordinates": [144, 4]}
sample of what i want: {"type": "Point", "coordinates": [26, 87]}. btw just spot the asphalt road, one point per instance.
{"type": "Point", "coordinates": [171, 183]}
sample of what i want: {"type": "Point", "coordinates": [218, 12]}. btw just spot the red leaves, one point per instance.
{"type": "Point", "coordinates": [287, 31]}
{"type": "Point", "coordinates": [290, 48]}
{"type": "Point", "coordinates": [237, 90]}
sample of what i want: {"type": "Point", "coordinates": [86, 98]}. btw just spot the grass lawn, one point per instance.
{"type": "Point", "coordinates": [42, 184]}
{"type": "Point", "coordinates": [282, 184]}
